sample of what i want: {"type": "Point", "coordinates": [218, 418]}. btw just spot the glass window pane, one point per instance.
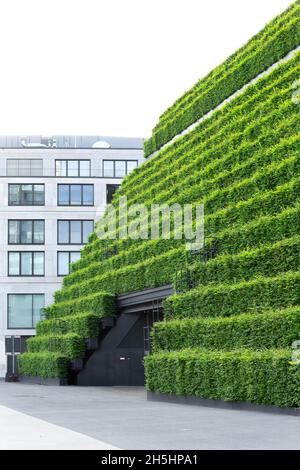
{"type": "Point", "coordinates": [110, 191]}
{"type": "Point", "coordinates": [26, 263]}
{"type": "Point", "coordinates": [75, 256]}
{"type": "Point", "coordinates": [39, 231]}
{"type": "Point", "coordinates": [38, 264]}
{"type": "Point", "coordinates": [63, 263]}
{"type": "Point", "coordinates": [36, 167]}
{"type": "Point", "coordinates": [61, 168]}
{"type": "Point", "coordinates": [120, 169]}
{"type": "Point", "coordinates": [24, 167]}
{"type": "Point", "coordinates": [131, 165]}
{"type": "Point", "coordinates": [75, 231]}
{"type": "Point", "coordinates": [38, 305]}
{"type": "Point", "coordinates": [84, 168]}
{"type": "Point", "coordinates": [13, 231]}
{"type": "Point", "coordinates": [26, 194]}
{"type": "Point", "coordinates": [108, 168]}
{"type": "Point", "coordinates": [14, 194]}
{"type": "Point", "coordinates": [88, 195]}
{"type": "Point", "coordinates": [12, 167]}
{"type": "Point", "coordinates": [39, 194]}
{"type": "Point", "coordinates": [14, 264]}
{"type": "Point", "coordinates": [63, 231]}
{"type": "Point", "coordinates": [72, 167]}
{"type": "Point", "coordinates": [20, 311]}
{"type": "Point", "coordinates": [87, 229]}
{"type": "Point", "coordinates": [63, 194]}
{"type": "Point", "coordinates": [75, 191]}
{"type": "Point", "coordinates": [26, 231]}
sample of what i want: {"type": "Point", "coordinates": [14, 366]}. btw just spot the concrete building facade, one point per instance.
{"type": "Point", "coordinates": [52, 189]}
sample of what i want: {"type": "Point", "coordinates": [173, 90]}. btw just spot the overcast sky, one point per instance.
{"type": "Point", "coordinates": [111, 67]}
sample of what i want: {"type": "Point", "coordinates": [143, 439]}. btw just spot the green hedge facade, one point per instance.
{"type": "Point", "coordinates": [275, 41]}
{"type": "Point", "coordinates": [229, 328]}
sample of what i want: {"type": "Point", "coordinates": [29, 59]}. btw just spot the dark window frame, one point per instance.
{"type": "Point", "coordinates": [7, 311]}
{"type": "Point", "coordinates": [20, 264]}
{"type": "Point", "coordinates": [20, 203]}
{"type": "Point", "coordinates": [114, 167]}
{"type": "Point", "coordinates": [69, 230]}
{"type": "Point", "coordinates": [69, 253]}
{"type": "Point", "coordinates": [78, 167]}
{"type": "Point", "coordinates": [19, 230]}
{"type": "Point", "coordinates": [81, 194]}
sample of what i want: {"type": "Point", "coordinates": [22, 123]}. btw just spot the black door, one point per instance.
{"type": "Point", "coordinates": [14, 346]}
{"type": "Point", "coordinates": [119, 358]}
{"type": "Point", "coordinates": [129, 369]}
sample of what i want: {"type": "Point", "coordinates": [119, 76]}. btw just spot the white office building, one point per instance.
{"type": "Point", "coordinates": [52, 189]}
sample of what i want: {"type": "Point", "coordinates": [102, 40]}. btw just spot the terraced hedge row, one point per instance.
{"type": "Point", "coordinates": [85, 325]}
{"type": "Point", "coordinates": [267, 260]}
{"type": "Point", "coordinates": [101, 303]}
{"type": "Point", "coordinates": [243, 52]}
{"type": "Point", "coordinates": [226, 125]}
{"type": "Point", "coordinates": [44, 364]}
{"type": "Point", "coordinates": [270, 45]}
{"type": "Point", "coordinates": [273, 329]}
{"type": "Point", "coordinates": [257, 295]}
{"type": "Point", "coordinates": [229, 328]}
{"type": "Point", "coordinates": [263, 377]}
{"type": "Point", "coordinates": [71, 344]}
{"type": "Point", "coordinates": [237, 214]}
{"type": "Point", "coordinates": [62, 335]}
{"type": "Point", "coordinates": [222, 146]}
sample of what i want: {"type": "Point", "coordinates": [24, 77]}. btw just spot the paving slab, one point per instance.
{"type": "Point", "coordinates": [19, 431]}
{"type": "Point", "coordinates": [122, 417]}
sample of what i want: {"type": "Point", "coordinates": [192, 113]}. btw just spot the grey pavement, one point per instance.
{"type": "Point", "coordinates": [122, 417]}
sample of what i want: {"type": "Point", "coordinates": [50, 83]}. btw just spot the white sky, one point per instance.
{"type": "Point", "coordinates": [111, 67]}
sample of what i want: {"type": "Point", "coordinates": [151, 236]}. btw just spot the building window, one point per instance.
{"type": "Point", "coordinates": [118, 168]}
{"type": "Point", "coordinates": [75, 194]}
{"type": "Point", "coordinates": [64, 260]}
{"type": "Point", "coordinates": [73, 168]}
{"type": "Point", "coordinates": [26, 194]}
{"type": "Point", "coordinates": [110, 191]}
{"type": "Point", "coordinates": [26, 263]}
{"type": "Point", "coordinates": [74, 232]}
{"type": "Point", "coordinates": [24, 310]}
{"type": "Point", "coordinates": [24, 167]}
{"type": "Point", "coordinates": [26, 232]}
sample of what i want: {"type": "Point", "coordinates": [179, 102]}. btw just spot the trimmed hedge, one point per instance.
{"type": "Point", "coordinates": [154, 272]}
{"type": "Point", "coordinates": [266, 229]}
{"type": "Point", "coordinates": [273, 329]}
{"type": "Point", "coordinates": [242, 53]}
{"type": "Point", "coordinates": [85, 325]}
{"type": "Point", "coordinates": [283, 162]}
{"type": "Point", "coordinates": [243, 163]}
{"type": "Point", "coordinates": [245, 109]}
{"type": "Point", "coordinates": [231, 299]}
{"type": "Point", "coordinates": [44, 364]}
{"type": "Point", "coordinates": [244, 376]}
{"type": "Point", "coordinates": [101, 303]}
{"type": "Point", "coordinates": [268, 260]}
{"type": "Point", "coordinates": [232, 76]}
{"type": "Point", "coordinates": [71, 345]}
{"type": "Point", "coordinates": [160, 270]}
{"type": "Point", "coordinates": [261, 204]}
{"type": "Point", "coordinates": [232, 148]}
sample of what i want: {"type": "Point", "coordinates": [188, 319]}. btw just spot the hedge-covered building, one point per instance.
{"type": "Point", "coordinates": [231, 142]}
